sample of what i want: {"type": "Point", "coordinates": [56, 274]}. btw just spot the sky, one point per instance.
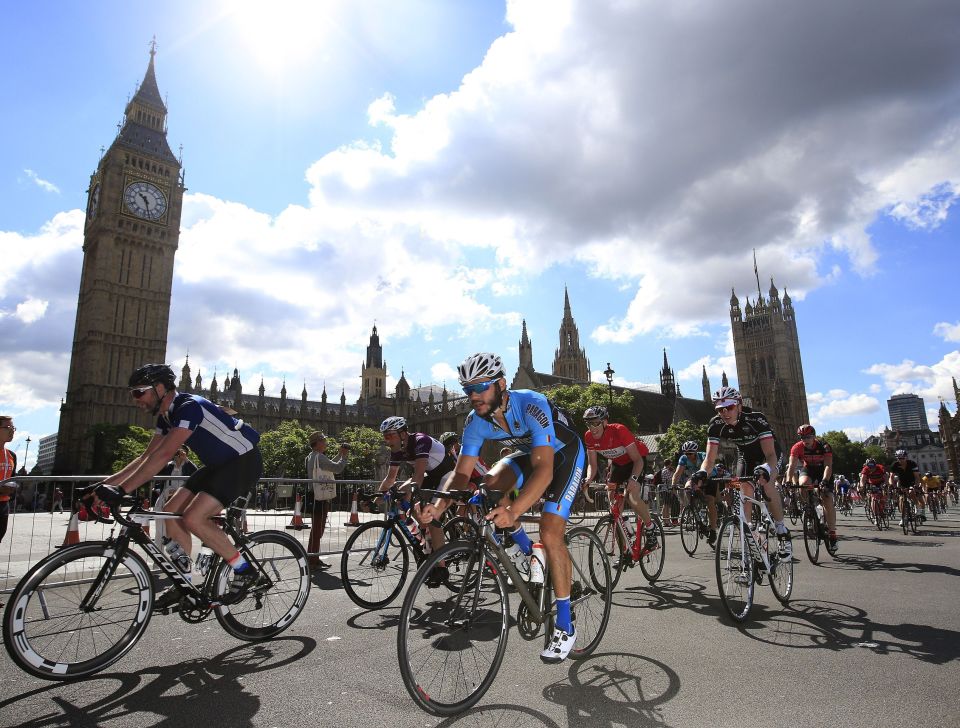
{"type": "Point", "coordinates": [445, 170]}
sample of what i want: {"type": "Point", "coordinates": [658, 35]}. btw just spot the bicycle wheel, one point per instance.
{"type": "Point", "coordinates": [591, 589]}
{"type": "Point", "coordinates": [452, 637]}
{"type": "Point", "coordinates": [459, 528]}
{"type": "Point", "coordinates": [689, 530]}
{"type": "Point", "coordinates": [613, 544]}
{"type": "Point", "coordinates": [793, 512]}
{"type": "Point", "coordinates": [651, 562]}
{"type": "Point", "coordinates": [578, 510]}
{"type": "Point", "coordinates": [734, 569]}
{"type": "Point", "coordinates": [781, 570]}
{"type": "Point", "coordinates": [811, 536]}
{"type": "Point", "coordinates": [46, 632]}
{"type": "Point", "coordinates": [374, 564]}
{"type": "Point", "coordinates": [267, 612]}
{"type": "Point", "coordinates": [914, 517]}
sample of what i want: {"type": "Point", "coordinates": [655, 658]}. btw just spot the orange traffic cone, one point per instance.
{"type": "Point", "coordinates": [73, 531]}
{"type": "Point", "coordinates": [354, 515]}
{"type": "Point", "coordinates": [297, 520]}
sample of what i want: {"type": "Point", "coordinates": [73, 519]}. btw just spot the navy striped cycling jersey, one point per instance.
{"type": "Point", "coordinates": [531, 422]}
{"type": "Point", "coordinates": [216, 437]}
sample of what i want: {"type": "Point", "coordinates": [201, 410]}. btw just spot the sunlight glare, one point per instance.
{"type": "Point", "coordinates": [281, 34]}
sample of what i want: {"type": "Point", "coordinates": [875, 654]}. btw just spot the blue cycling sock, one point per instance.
{"type": "Point", "coordinates": [564, 621]}
{"type": "Point", "coordinates": [521, 539]}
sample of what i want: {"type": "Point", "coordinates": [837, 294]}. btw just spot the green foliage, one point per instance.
{"type": "Point", "coordinates": [848, 456]}
{"type": "Point", "coordinates": [677, 434]}
{"type": "Point", "coordinates": [575, 398]}
{"type": "Point", "coordinates": [876, 452]}
{"type": "Point", "coordinates": [285, 449]}
{"type": "Point", "coordinates": [104, 439]}
{"type": "Point", "coordinates": [130, 446]}
{"type": "Point", "coordinates": [365, 447]}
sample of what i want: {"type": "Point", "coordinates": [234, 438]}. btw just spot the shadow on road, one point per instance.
{"type": "Point", "coordinates": [195, 692]}
{"type": "Point", "coordinates": [615, 689]}
{"type": "Point", "coordinates": [500, 716]}
{"type": "Point", "coordinates": [835, 626]}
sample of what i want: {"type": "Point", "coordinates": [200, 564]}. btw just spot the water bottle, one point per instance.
{"type": "Point", "coordinates": [519, 559]}
{"type": "Point", "coordinates": [177, 555]}
{"type": "Point", "coordinates": [537, 561]}
{"type": "Point", "coordinates": [820, 513]}
{"type": "Point", "coordinates": [204, 559]}
{"type": "Point", "coordinates": [415, 530]}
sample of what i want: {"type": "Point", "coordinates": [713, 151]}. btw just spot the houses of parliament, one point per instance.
{"type": "Point", "coordinates": [131, 235]}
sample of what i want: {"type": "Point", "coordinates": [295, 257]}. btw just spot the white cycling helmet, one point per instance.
{"type": "Point", "coordinates": [480, 366]}
{"type": "Point", "coordinates": [726, 396]}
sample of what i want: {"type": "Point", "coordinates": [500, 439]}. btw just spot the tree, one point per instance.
{"type": "Point", "coordinates": [106, 439]}
{"type": "Point", "coordinates": [848, 456]}
{"type": "Point", "coordinates": [575, 398]}
{"type": "Point", "coordinates": [284, 451]}
{"type": "Point", "coordinates": [678, 433]}
{"type": "Point", "coordinates": [365, 447]}
{"type": "Point", "coordinates": [130, 445]}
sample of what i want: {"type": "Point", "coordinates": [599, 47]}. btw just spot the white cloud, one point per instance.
{"type": "Point", "coordinates": [948, 332]}
{"type": "Point", "coordinates": [40, 182]}
{"type": "Point", "coordinates": [930, 382]}
{"type": "Point", "coordinates": [31, 310]}
{"type": "Point", "coordinates": [848, 405]}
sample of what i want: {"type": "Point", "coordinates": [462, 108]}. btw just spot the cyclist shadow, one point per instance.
{"type": "Point", "coordinates": [379, 619]}
{"type": "Point", "coordinates": [501, 716]}
{"type": "Point", "coordinates": [878, 563]}
{"type": "Point", "coordinates": [836, 626]}
{"type": "Point", "coordinates": [327, 579]}
{"type": "Point", "coordinates": [668, 594]}
{"type": "Point", "coordinates": [615, 689]}
{"type": "Point", "coordinates": [184, 693]}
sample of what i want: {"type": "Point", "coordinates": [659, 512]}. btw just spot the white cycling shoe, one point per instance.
{"type": "Point", "coordinates": [560, 645]}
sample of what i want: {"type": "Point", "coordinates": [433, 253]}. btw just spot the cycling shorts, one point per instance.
{"type": "Point", "coordinates": [568, 465]}
{"type": "Point", "coordinates": [228, 481]}
{"type": "Point", "coordinates": [813, 473]}
{"type": "Point", "coordinates": [620, 474]}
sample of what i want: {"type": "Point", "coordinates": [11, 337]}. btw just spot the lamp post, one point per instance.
{"type": "Point", "coordinates": [608, 373]}
{"type": "Point", "coordinates": [26, 452]}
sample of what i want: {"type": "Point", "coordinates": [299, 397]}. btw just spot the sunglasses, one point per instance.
{"type": "Point", "coordinates": [8, 427]}
{"type": "Point", "coordinates": [593, 423]}
{"type": "Point", "coordinates": [139, 392]}
{"type": "Point", "coordinates": [478, 387]}
{"type": "Point", "coordinates": [809, 437]}
{"type": "Point", "coordinates": [728, 408]}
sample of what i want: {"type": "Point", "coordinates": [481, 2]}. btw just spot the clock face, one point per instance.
{"type": "Point", "coordinates": [94, 202]}
{"type": "Point", "coordinates": [145, 200]}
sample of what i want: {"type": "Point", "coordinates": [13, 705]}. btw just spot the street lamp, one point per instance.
{"type": "Point", "coordinates": [608, 373]}
{"type": "Point", "coordinates": [26, 452]}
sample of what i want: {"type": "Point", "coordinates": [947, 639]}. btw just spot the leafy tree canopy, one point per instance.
{"type": "Point", "coordinates": [366, 445]}
{"type": "Point", "coordinates": [130, 445]}
{"type": "Point", "coordinates": [677, 434]}
{"type": "Point", "coordinates": [848, 456]}
{"type": "Point", "coordinates": [575, 398]}
{"type": "Point", "coordinates": [285, 449]}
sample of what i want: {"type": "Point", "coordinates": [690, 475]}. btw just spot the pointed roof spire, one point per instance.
{"type": "Point", "coordinates": [665, 364]}
{"type": "Point", "coordinates": [566, 303]}
{"type": "Point", "coordinates": [149, 93]}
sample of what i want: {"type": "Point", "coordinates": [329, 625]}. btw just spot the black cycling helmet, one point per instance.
{"type": "Point", "coordinates": [448, 437]}
{"type": "Point", "coordinates": [150, 374]}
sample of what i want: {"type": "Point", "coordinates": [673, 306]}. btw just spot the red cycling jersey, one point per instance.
{"type": "Point", "coordinates": [613, 443]}
{"type": "Point", "coordinates": [813, 456]}
{"type": "Point", "coordinates": [876, 476]}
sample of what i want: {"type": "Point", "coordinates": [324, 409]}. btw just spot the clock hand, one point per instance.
{"type": "Point", "coordinates": [146, 202]}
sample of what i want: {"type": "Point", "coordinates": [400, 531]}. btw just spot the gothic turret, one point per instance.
{"type": "Point", "coordinates": [185, 384]}
{"type": "Point", "coordinates": [570, 360]}
{"type": "Point", "coordinates": [706, 385]}
{"type": "Point", "coordinates": [668, 385]}
{"type": "Point", "coordinates": [526, 348]}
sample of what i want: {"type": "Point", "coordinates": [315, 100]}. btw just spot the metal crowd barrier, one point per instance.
{"type": "Point", "coordinates": [33, 534]}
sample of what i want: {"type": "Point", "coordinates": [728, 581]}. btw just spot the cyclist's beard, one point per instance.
{"type": "Point", "coordinates": [495, 405]}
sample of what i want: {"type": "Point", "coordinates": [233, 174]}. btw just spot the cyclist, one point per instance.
{"type": "Point", "coordinates": [932, 488]}
{"type": "Point", "coordinates": [872, 477]}
{"type": "Point", "coordinates": [451, 441]}
{"type": "Point", "coordinates": [689, 462]}
{"type": "Point", "coordinates": [232, 466]}
{"type": "Point", "coordinates": [750, 431]}
{"type": "Point", "coordinates": [432, 465]}
{"type": "Point", "coordinates": [626, 455]}
{"type": "Point", "coordinates": [546, 460]}
{"type": "Point", "coordinates": [904, 474]}
{"type": "Point", "coordinates": [811, 459]}
{"type": "Point", "coordinates": [841, 486]}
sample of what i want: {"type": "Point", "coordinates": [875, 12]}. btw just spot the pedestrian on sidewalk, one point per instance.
{"type": "Point", "coordinates": [321, 470]}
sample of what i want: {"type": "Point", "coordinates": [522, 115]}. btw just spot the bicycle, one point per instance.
{"type": "Point", "coordinates": [623, 541]}
{"type": "Point", "coordinates": [877, 501]}
{"type": "Point", "coordinates": [815, 528]}
{"type": "Point", "coordinates": [81, 609]}
{"type": "Point", "coordinates": [908, 521]}
{"type": "Point", "coordinates": [743, 556]}
{"type": "Point", "coordinates": [376, 558]}
{"type": "Point", "coordinates": [452, 637]}
{"type": "Point", "coordinates": [694, 522]}
{"type": "Point", "coordinates": [792, 503]}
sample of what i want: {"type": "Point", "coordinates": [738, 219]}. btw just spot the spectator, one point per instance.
{"type": "Point", "coordinates": [181, 468]}
{"type": "Point", "coordinates": [57, 500]}
{"type": "Point", "coordinates": [8, 468]}
{"type": "Point", "coordinates": [320, 468]}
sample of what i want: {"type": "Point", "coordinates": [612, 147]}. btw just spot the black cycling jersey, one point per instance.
{"type": "Point", "coordinates": [751, 430]}
{"type": "Point", "coordinates": [908, 473]}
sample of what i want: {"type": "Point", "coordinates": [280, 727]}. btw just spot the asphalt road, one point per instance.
{"type": "Point", "coordinates": [870, 638]}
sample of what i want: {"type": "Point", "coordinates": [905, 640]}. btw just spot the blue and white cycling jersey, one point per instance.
{"type": "Point", "coordinates": [216, 436]}
{"type": "Point", "coordinates": [531, 423]}
{"type": "Point", "coordinates": [691, 467]}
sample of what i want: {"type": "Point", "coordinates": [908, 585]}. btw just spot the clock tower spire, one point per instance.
{"type": "Point", "coordinates": [130, 238]}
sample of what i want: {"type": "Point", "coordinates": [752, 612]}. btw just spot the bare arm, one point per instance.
{"type": "Point", "coordinates": [158, 453]}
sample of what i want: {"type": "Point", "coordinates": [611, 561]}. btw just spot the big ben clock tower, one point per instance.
{"type": "Point", "coordinates": [130, 238]}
